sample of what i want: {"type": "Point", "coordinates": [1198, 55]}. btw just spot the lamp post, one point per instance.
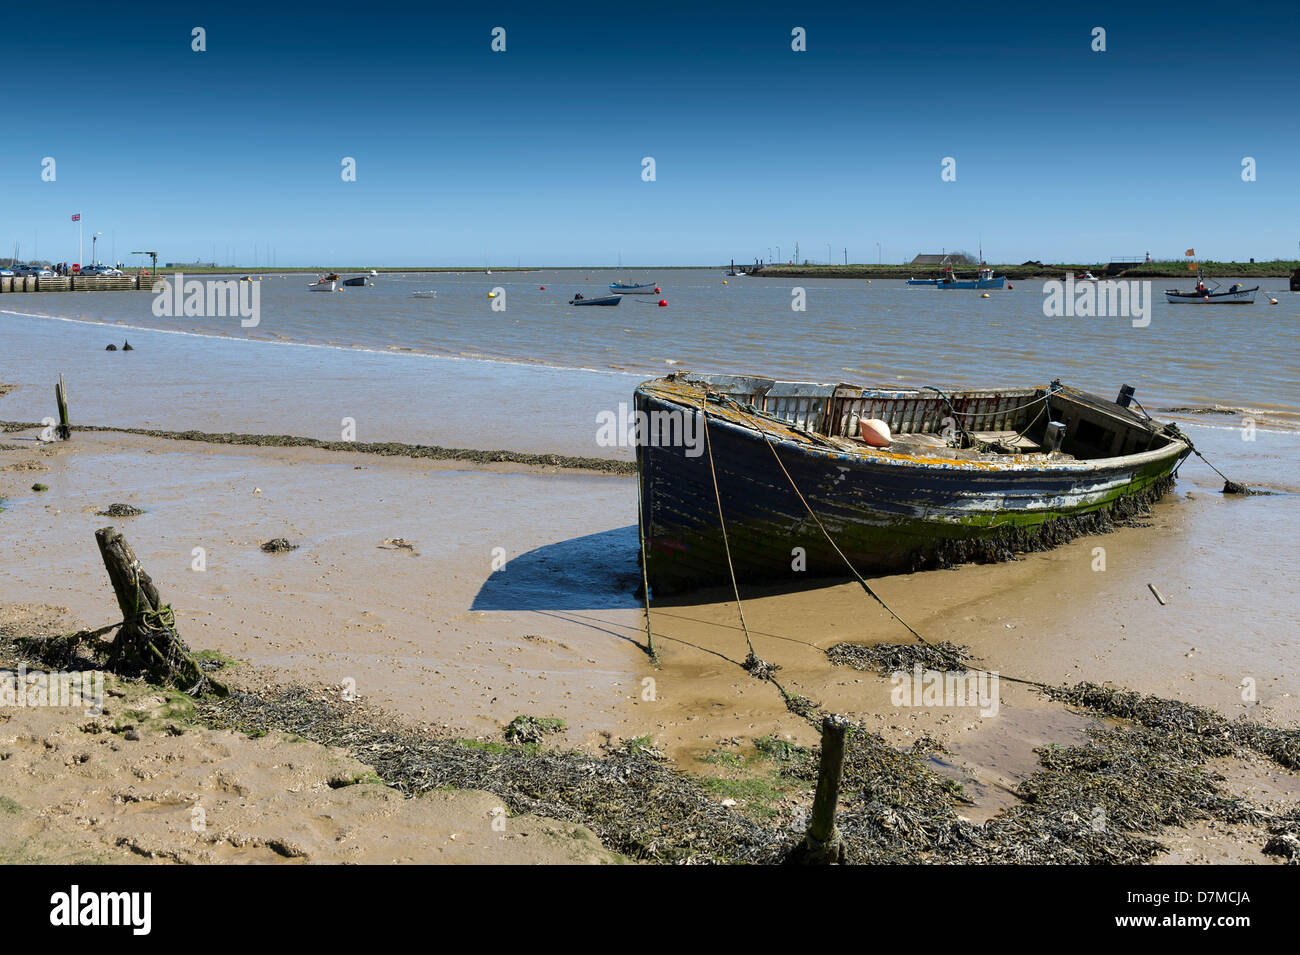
{"type": "Point", "coordinates": [93, 239]}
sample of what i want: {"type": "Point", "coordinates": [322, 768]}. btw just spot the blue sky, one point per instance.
{"type": "Point", "coordinates": [534, 155]}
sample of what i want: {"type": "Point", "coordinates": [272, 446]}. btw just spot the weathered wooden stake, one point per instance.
{"type": "Point", "coordinates": [822, 843]}
{"type": "Point", "coordinates": [148, 641]}
{"type": "Point", "coordinates": [61, 396]}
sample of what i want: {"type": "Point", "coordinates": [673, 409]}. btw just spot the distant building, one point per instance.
{"type": "Point", "coordinates": [949, 258]}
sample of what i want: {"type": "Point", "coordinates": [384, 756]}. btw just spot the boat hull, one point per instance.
{"type": "Point", "coordinates": [1244, 296]}
{"type": "Point", "coordinates": [885, 514]}
{"type": "Point", "coordinates": [974, 283]}
{"type": "Point", "coordinates": [922, 281]}
{"type": "Point", "coordinates": [604, 300]}
{"type": "Point", "coordinates": [618, 289]}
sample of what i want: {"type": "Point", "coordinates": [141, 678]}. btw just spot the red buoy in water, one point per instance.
{"type": "Point", "coordinates": [1009, 285]}
{"type": "Point", "coordinates": [663, 302]}
{"type": "Point", "coordinates": [543, 288]}
{"type": "Point", "coordinates": [658, 289]}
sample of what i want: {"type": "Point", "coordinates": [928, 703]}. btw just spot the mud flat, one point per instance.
{"type": "Point", "coordinates": [457, 595]}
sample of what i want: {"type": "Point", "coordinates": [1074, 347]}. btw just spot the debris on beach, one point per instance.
{"type": "Point", "coordinates": [383, 448]}
{"type": "Point", "coordinates": [38, 487]}
{"type": "Point", "coordinates": [532, 729]}
{"type": "Point", "coordinates": [127, 347]}
{"type": "Point", "coordinates": [278, 545]}
{"type": "Point", "coordinates": [759, 669]}
{"type": "Point", "coordinates": [887, 658]}
{"type": "Point", "coordinates": [110, 347]}
{"type": "Point", "coordinates": [119, 510]}
{"type": "Point", "coordinates": [398, 543]}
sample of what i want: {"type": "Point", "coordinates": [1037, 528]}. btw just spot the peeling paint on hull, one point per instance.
{"type": "Point", "coordinates": [886, 512]}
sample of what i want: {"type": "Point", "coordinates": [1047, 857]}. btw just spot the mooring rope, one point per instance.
{"type": "Point", "coordinates": [863, 581]}
{"type": "Point", "coordinates": [645, 575]}
{"type": "Point", "coordinates": [704, 415]}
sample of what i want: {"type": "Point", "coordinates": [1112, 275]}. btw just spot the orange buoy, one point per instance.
{"type": "Point", "coordinates": [663, 302]}
{"type": "Point", "coordinates": [875, 433]}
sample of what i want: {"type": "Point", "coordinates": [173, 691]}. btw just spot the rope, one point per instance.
{"type": "Point", "coordinates": [645, 576]}
{"type": "Point", "coordinates": [1229, 486]}
{"type": "Point", "coordinates": [863, 581]}
{"type": "Point", "coordinates": [704, 415]}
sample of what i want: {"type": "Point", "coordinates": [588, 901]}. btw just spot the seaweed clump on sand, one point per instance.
{"type": "Point", "coordinates": [887, 658]}
{"type": "Point", "coordinates": [634, 804]}
{"type": "Point", "coordinates": [120, 510]}
{"type": "Point", "coordinates": [532, 729]}
{"type": "Point", "coordinates": [1213, 734]}
{"type": "Point", "coordinates": [278, 545]}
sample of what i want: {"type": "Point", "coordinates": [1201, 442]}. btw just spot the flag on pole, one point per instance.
{"type": "Point", "coordinates": [77, 217]}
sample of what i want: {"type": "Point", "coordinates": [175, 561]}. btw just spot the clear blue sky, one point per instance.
{"type": "Point", "coordinates": [534, 154]}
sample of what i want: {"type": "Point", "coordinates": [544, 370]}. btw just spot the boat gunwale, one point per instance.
{"type": "Point", "coordinates": [1015, 464]}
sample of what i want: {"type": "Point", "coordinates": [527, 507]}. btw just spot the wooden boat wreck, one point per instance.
{"type": "Point", "coordinates": [965, 476]}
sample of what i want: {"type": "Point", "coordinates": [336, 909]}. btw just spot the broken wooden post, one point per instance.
{"type": "Point", "coordinates": [148, 643]}
{"type": "Point", "coordinates": [61, 397]}
{"type": "Point", "coordinates": [823, 844]}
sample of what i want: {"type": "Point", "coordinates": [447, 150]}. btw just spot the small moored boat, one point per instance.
{"type": "Point", "coordinates": [622, 288]}
{"type": "Point", "coordinates": [425, 293]}
{"type": "Point", "coordinates": [326, 283]}
{"type": "Point", "coordinates": [1234, 294]}
{"type": "Point", "coordinates": [602, 300]}
{"type": "Point", "coordinates": [961, 476]}
{"type": "Point", "coordinates": [984, 280]}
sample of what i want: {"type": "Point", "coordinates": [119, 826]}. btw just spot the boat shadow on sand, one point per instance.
{"type": "Point", "coordinates": [592, 572]}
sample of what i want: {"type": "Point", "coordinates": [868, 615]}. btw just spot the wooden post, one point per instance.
{"type": "Point", "coordinates": [61, 396]}
{"type": "Point", "coordinates": [148, 642]}
{"type": "Point", "coordinates": [822, 843]}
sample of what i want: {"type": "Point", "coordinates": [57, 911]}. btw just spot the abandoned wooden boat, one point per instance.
{"type": "Point", "coordinates": [965, 476]}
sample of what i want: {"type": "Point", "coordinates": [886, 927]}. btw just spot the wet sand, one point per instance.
{"type": "Point", "coordinates": [433, 633]}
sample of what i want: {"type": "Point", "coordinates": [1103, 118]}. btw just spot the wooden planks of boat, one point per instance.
{"type": "Point", "coordinates": [1026, 468]}
{"type": "Point", "coordinates": [602, 300]}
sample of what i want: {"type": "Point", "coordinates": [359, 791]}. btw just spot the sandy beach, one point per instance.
{"type": "Point", "coordinates": [392, 590]}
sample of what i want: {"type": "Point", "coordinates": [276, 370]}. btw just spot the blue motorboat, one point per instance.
{"type": "Point", "coordinates": [985, 280]}
{"type": "Point", "coordinates": [625, 288]}
{"type": "Point", "coordinates": [922, 281]}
